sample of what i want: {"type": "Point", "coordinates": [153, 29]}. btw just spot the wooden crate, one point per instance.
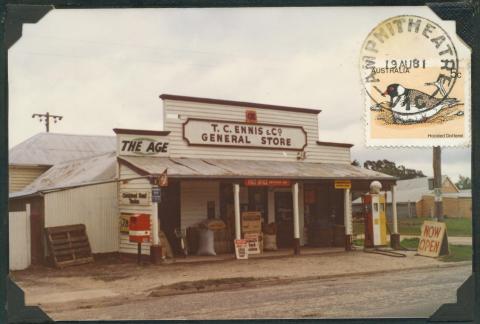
{"type": "Point", "coordinates": [68, 245]}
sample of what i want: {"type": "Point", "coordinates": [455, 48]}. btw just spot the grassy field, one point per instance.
{"type": "Point", "coordinates": [411, 226]}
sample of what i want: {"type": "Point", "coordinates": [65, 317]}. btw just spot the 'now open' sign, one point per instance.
{"type": "Point", "coordinates": [433, 240]}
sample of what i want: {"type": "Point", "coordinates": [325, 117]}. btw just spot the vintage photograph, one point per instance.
{"type": "Point", "coordinates": [239, 163]}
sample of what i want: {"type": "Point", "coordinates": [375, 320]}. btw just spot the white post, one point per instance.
{"type": "Point", "coordinates": [394, 210]}
{"type": "Point", "coordinates": [155, 225]}
{"type": "Point", "coordinates": [296, 217]}
{"type": "Point", "coordinates": [155, 248]}
{"type": "Point", "coordinates": [236, 202]}
{"type": "Point", "coordinates": [347, 218]}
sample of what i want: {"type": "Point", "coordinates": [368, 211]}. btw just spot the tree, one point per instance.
{"type": "Point", "coordinates": [464, 183]}
{"type": "Point", "coordinates": [389, 167]}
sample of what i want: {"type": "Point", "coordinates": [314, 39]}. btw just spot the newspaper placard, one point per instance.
{"type": "Point", "coordinates": [253, 242]}
{"type": "Point", "coordinates": [241, 249]}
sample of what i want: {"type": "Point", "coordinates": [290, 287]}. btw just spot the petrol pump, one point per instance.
{"type": "Point", "coordinates": [375, 221]}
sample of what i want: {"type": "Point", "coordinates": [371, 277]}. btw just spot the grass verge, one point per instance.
{"type": "Point", "coordinates": [457, 252]}
{"type": "Point", "coordinates": [412, 226]}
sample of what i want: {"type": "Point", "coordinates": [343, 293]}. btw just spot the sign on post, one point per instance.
{"type": "Point", "coordinates": [156, 194]}
{"type": "Point", "coordinates": [433, 240]}
{"type": "Point", "coordinates": [343, 184]}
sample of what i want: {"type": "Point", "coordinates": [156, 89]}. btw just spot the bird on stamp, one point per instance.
{"type": "Point", "coordinates": [414, 106]}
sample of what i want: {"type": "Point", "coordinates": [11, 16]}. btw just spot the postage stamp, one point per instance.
{"type": "Point", "coordinates": [416, 83]}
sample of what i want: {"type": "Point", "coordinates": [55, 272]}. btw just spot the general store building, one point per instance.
{"type": "Point", "coordinates": [222, 158]}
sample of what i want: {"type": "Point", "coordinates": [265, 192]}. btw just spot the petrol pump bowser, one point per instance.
{"type": "Point", "coordinates": [375, 221]}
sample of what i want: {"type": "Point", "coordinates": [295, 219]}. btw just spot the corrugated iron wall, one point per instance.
{"type": "Point", "coordinates": [95, 206]}
{"type": "Point", "coordinates": [19, 239]}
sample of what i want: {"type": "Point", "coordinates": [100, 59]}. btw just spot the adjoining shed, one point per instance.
{"type": "Point", "coordinates": [82, 191]}
{"type": "Point", "coordinates": [31, 158]}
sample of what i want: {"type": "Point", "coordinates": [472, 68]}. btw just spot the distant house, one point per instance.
{"type": "Point", "coordinates": [415, 198]}
{"type": "Point", "coordinates": [31, 158]}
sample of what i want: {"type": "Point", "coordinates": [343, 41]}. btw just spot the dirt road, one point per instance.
{"type": "Point", "coordinates": [116, 289]}
{"type": "Point", "coordinates": [407, 293]}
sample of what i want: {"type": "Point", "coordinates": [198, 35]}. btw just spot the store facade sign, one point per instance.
{"type": "Point", "coordinates": [433, 240]}
{"type": "Point", "coordinates": [267, 183]}
{"type": "Point", "coordinates": [142, 145]}
{"type": "Point", "coordinates": [141, 198]}
{"type": "Point", "coordinates": [343, 184]}
{"type": "Point", "coordinates": [223, 133]}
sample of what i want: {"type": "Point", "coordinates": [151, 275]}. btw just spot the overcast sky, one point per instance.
{"type": "Point", "coordinates": [102, 69]}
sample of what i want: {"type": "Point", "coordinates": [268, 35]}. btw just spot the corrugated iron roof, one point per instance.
{"type": "Point", "coordinates": [216, 168]}
{"type": "Point", "coordinates": [52, 148]}
{"type": "Point", "coordinates": [74, 173]}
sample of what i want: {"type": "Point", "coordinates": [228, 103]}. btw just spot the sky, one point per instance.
{"type": "Point", "coordinates": [102, 69]}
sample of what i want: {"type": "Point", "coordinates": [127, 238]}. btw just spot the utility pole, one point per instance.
{"type": "Point", "coordinates": [437, 182]}
{"type": "Point", "coordinates": [47, 117]}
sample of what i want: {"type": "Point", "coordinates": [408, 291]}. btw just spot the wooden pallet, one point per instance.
{"type": "Point", "coordinates": [68, 245]}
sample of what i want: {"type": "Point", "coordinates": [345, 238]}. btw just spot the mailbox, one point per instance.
{"type": "Point", "coordinates": [139, 228]}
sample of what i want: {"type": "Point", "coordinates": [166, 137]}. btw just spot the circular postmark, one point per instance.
{"type": "Point", "coordinates": [409, 65]}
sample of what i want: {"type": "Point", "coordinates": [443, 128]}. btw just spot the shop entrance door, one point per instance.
{"type": "Point", "coordinates": [169, 214]}
{"type": "Point", "coordinates": [284, 218]}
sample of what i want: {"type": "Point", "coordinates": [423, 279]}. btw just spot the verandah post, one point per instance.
{"type": "Point", "coordinates": [296, 222]}
{"type": "Point", "coordinates": [236, 202]}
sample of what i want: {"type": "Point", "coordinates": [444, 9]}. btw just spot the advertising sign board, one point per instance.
{"type": "Point", "coordinates": [241, 249]}
{"type": "Point", "coordinates": [251, 222]}
{"type": "Point", "coordinates": [142, 145]}
{"type": "Point", "coordinates": [135, 197]}
{"type": "Point", "coordinates": [343, 184]}
{"type": "Point", "coordinates": [433, 240]}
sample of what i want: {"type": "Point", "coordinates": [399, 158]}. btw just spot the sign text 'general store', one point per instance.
{"type": "Point", "coordinates": [239, 134]}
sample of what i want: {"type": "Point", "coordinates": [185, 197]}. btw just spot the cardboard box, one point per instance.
{"type": "Point", "coordinates": [251, 222]}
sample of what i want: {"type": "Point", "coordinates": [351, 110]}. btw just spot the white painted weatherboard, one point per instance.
{"type": "Point", "coordinates": [180, 148]}
{"type": "Point", "coordinates": [138, 184]}
{"type": "Point", "coordinates": [194, 197]}
{"type": "Point", "coordinates": [95, 206]}
{"type": "Point", "coordinates": [19, 240]}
